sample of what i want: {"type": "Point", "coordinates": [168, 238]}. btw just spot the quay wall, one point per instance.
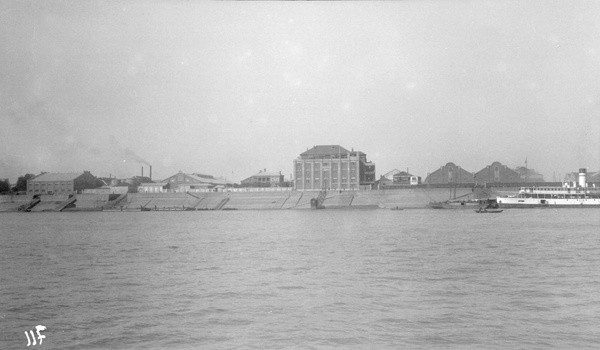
{"type": "Point", "coordinates": [417, 197]}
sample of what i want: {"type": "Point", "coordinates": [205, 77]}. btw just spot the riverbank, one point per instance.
{"type": "Point", "coordinates": [265, 200]}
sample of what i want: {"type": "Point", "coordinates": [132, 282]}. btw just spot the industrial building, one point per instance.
{"type": "Point", "coordinates": [61, 183]}
{"type": "Point", "coordinates": [183, 182]}
{"type": "Point", "coordinates": [496, 173]}
{"type": "Point", "coordinates": [529, 175]}
{"type": "Point", "coordinates": [264, 178]}
{"type": "Point", "coordinates": [398, 178]}
{"type": "Point", "coordinates": [449, 174]}
{"type": "Point", "coordinates": [333, 167]}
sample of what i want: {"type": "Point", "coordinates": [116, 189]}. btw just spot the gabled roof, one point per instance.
{"type": "Point", "coordinates": [389, 175]}
{"type": "Point", "coordinates": [265, 173]}
{"type": "Point", "coordinates": [403, 173]}
{"type": "Point", "coordinates": [211, 180]}
{"type": "Point", "coordinates": [200, 178]}
{"type": "Point", "coordinates": [56, 177]}
{"type": "Point", "coordinates": [323, 150]}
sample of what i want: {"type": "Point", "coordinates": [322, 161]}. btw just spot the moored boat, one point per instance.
{"type": "Point", "coordinates": [575, 195]}
{"type": "Point", "coordinates": [464, 204]}
{"type": "Point", "coordinates": [489, 211]}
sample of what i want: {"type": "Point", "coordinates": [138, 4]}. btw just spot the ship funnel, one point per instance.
{"type": "Point", "coordinates": [582, 177]}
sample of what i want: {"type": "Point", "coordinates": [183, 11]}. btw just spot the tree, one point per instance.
{"type": "Point", "coordinates": [22, 183]}
{"type": "Point", "coordinates": [87, 180]}
{"type": "Point", "coordinates": [4, 186]}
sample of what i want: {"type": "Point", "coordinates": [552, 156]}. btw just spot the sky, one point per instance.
{"type": "Point", "coordinates": [231, 88]}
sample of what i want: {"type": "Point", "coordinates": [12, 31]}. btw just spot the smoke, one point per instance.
{"type": "Point", "coordinates": [125, 153]}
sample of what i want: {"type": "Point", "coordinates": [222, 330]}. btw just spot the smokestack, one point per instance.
{"type": "Point", "coordinates": [150, 172]}
{"type": "Point", "coordinates": [142, 171]}
{"type": "Point", "coordinates": [582, 177]}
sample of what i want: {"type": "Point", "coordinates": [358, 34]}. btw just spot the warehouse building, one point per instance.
{"type": "Point", "coordinates": [496, 173]}
{"type": "Point", "coordinates": [62, 183]}
{"type": "Point", "coordinates": [449, 174]}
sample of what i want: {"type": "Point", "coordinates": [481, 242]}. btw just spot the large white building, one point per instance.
{"type": "Point", "coordinates": [333, 167]}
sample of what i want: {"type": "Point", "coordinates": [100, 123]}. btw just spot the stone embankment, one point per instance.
{"type": "Point", "coordinates": [361, 199]}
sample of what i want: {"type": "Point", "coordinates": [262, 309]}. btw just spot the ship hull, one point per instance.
{"type": "Point", "coordinates": [545, 203]}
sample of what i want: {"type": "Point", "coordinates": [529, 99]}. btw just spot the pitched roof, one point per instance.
{"type": "Point", "coordinates": [265, 173]}
{"type": "Point", "coordinates": [325, 150]}
{"type": "Point", "coordinates": [210, 180]}
{"type": "Point", "coordinates": [391, 173]}
{"type": "Point", "coordinates": [56, 177]}
{"type": "Point", "coordinates": [201, 178]}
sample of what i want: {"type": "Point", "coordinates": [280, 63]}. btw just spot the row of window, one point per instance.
{"type": "Point", "coordinates": [552, 196]}
{"type": "Point", "coordinates": [43, 184]}
{"type": "Point", "coordinates": [327, 179]}
{"type": "Point", "coordinates": [49, 191]}
{"type": "Point", "coordinates": [555, 189]}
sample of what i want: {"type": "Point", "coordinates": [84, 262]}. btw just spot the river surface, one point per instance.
{"type": "Point", "coordinates": [302, 279]}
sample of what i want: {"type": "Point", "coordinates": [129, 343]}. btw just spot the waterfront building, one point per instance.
{"type": "Point", "coordinates": [264, 179]}
{"type": "Point", "coordinates": [529, 175]}
{"type": "Point", "coordinates": [333, 167]}
{"type": "Point", "coordinates": [61, 183]}
{"type": "Point", "coordinates": [449, 174]}
{"type": "Point", "coordinates": [153, 187]}
{"type": "Point", "coordinates": [496, 173]}
{"type": "Point", "coordinates": [183, 182]}
{"type": "Point", "coordinates": [398, 178]}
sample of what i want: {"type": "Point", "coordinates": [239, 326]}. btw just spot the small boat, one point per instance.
{"type": "Point", "coordinates": [488, 211]}
{"type": "Point", "coordinates": [397, 208]}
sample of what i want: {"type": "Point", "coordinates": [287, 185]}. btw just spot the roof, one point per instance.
{"type": "Point", "coordinates": [264, 173]}
{"type": "Point", "coordinates": [201, 178]}
{"type": "Point", "coordinates": [56, 177]}
{"type": "Point", "coordinates": [153, 184]}
{"type": "Point", "coordinates": [210, 180]}
{"type": "Point", "coordinates": [325, 150]}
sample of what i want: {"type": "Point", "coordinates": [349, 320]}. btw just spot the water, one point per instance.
{"type": "Point", "coordinates": [330, 279]}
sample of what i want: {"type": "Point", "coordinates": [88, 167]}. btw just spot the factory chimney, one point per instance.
{"type": "Point", "coordinates": [582, 177]}
{"type": "Point", "coordinates": [150, 172]}
{"type": "Point", "coordinates": [142, 171]}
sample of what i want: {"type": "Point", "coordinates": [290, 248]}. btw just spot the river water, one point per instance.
{"type": "Point", "coordinates": [328, 279]}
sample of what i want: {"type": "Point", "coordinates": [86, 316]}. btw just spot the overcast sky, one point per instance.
{"type": "Point", "coordinates": [228, 88]}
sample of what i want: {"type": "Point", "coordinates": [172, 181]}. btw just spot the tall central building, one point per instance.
{"type": "Point", "coordinates": [333, 167]}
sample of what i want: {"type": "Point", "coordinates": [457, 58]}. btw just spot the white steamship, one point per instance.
{"type": "Point", "coordinates": [570, 195]}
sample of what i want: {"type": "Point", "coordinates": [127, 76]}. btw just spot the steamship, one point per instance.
{"type": "Point", "coordinates": [570, 195]}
